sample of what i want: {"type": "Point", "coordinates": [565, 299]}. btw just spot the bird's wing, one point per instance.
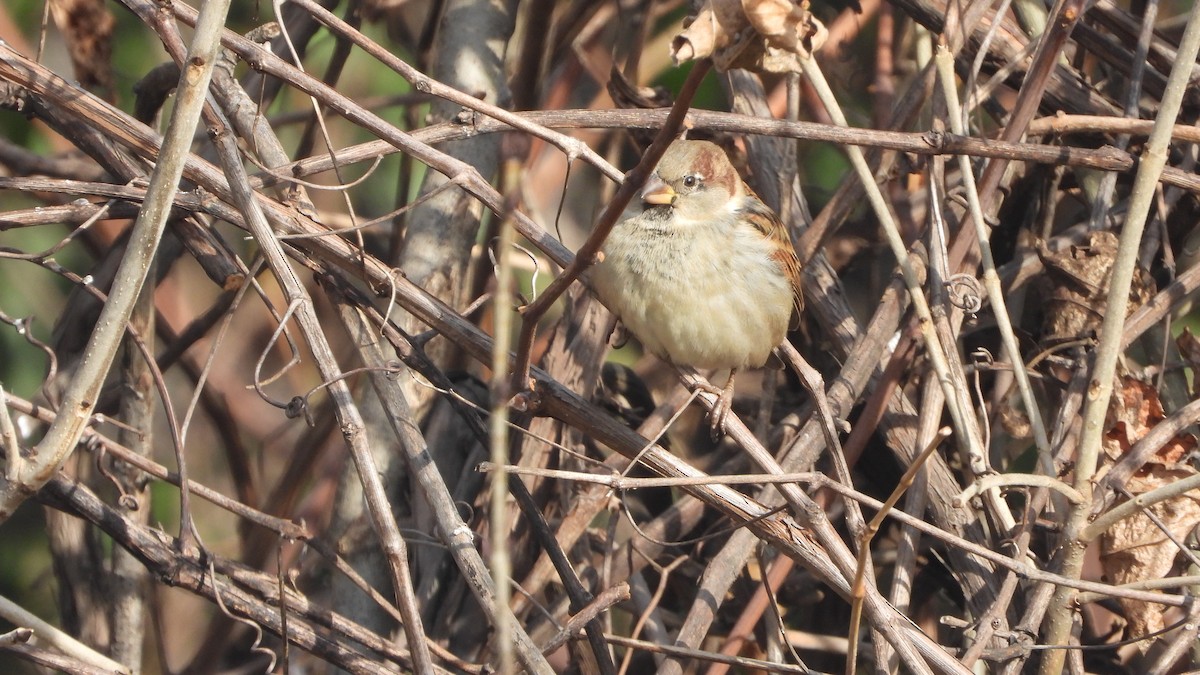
{"type": "Point", "coordinates": [766, 221]}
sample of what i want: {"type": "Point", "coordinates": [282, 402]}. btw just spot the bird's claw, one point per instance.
{"type": "Point", "coordinates": [719, 414]}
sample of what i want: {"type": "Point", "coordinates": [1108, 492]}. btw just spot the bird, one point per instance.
{"type": "Point", "coordinates": [701, 271]}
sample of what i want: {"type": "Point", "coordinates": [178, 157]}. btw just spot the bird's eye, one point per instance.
{"type": "Point", "coordinates": [690, 181]}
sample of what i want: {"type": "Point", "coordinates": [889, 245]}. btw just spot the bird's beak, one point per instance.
{"type": "Point", "coordinates": [657, 192]}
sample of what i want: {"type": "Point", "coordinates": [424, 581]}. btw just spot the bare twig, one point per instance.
{"type": "Point", "coordinates": [348, 415]}
{"type": "Point", "coordinates": [80, 398]}
{"type": "Point", "coordinates": [19, 616]}
{"type": "Point", "coordinates": [1108, 351]}
{"type": "Point", "coordinates": [456, 534]}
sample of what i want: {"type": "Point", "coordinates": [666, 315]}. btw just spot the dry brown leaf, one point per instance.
{"type": "Point", "coordinates": [1189, 347]}
{"type": "Point", "coordinates": [1135, 549]}
{"type": "Point", "coordinates": [87, 26]}
{"type": "Point", "coordinates": [758, 35]}
{"type": "Point", "coordinates": [1012, 416]}
{"type": "Point", "coordinates": [775, 20]}
{"type": "Point", "coordinates": [715, 26]}
{"type": "Point", "coordinates": [1133, 412]}
{"type": "Point", "coordinates": [1081, 275]}
{"type": "Point", "coordinates": [1135, 409]}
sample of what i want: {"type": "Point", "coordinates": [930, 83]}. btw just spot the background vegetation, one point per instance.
{"type": "Point", "coordinates": [404, 227]}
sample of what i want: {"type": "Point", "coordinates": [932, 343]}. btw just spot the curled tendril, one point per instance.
{"type": "Point", "coordinates": [256, 646]}
{"type": "Point", "coordinates": [23, 327]}
{"type": "Point", "coordinates": [296, 407]}
{"type": "Point", "coordinates": [965, 293]}
{"type": "Point", "coordinates": [958, 197]}
{"type": "Point", "coordinates": [392, 369]}
{"type": "Point", "coordinates": [982, 357]}
{"type": "Point", "coordinates": [284, 178]}
{"type": "Point", "coordinates": [126, 499]}
{"type": "Point", "coordinates": [494, 258]}
{"type": "Point", "coordinates": [281, 329]}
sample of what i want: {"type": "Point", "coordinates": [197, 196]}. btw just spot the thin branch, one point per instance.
{"type": "Point", "coordinates": [1126, 509]}
{"type": "Point", "coordinates": [347, 412]}
{"type": "Point", "coordinates": [965, 428]}
{"type": "Point", "coordinates": [19, 616]}
{"type": "Point", "coordinates": [453, 530]}
{"type": "Point", "coordinates": [1108, 351]}
{"type": "Point", "coordinates": [991, 280]}
{"type": "Point", "coordinates": [985, 483]}
{"type": "Point", "coordinates": [80, 398]}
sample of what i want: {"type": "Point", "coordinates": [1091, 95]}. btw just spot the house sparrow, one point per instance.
{"type": "Point", "coordinates": [704, 273]}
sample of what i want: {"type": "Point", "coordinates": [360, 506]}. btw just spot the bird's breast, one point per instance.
{"type": "Point", "coordinates": [698, 295]}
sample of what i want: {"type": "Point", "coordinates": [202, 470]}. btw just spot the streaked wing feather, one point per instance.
{"type": "Point", "coordinates": [765, 220]}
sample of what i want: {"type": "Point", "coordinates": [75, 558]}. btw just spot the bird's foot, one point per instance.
{"type": "Point", "coordinates": [618, 336]}
{"type": "Point", "coordinates": [720, 410]}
